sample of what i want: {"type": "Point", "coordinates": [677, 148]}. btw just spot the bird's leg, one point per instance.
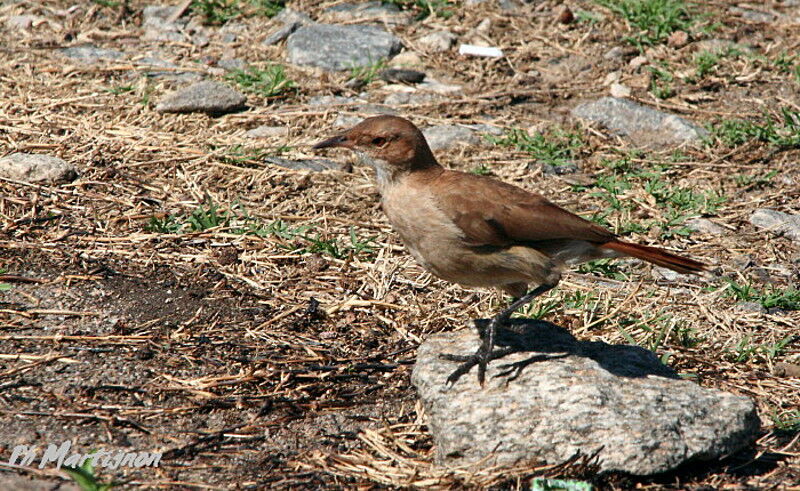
{"type": "Point", "coordinates": [485, 354]}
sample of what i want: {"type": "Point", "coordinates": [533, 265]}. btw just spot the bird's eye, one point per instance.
{"type": "Point", "coordinates": [379, 141]}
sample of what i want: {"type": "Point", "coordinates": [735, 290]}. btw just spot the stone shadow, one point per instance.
{"type": "Point", "coordinates": [550, 341]}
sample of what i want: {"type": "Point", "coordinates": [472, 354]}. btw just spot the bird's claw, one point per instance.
{"type": "Point", "coordinates": [479, 358]}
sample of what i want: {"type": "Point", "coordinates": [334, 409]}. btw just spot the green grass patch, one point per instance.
{"type": "Point", "coordinates": [270, 82]}
{"type": "Point", "coordinates": [651, 20]}
{"type": "Point", "coordinates": [121, 89]}
{"type": "Point", "coordinates": [218, 12]}
{"type": "Point", "coordinates": [782, 132]}
{"type": "Point", "coordinates": [755, 181]}
{"type": "Point", "coordinates": [242, 156]}
{"type": "Point", "coordinates": [556, 147]}
{"type": "Point", "coordinates": [424, 8]}
{"type": "Point", "coordinates": [769, 297]}
{"type": "Point", "coordinates": [656, 331]}
{"type": "Point", "coordinates": [368, 73]}
{"type": "Point", "coordinates": [4, 287]}
{"type": "Point", "coordinates": [481, 170]}
{"type": "Point", "coordinates": [86, 479]}
{"type": "Point", "coordinates": [661, 82]}
{"type": "Point", "coordinates": [604, 267]}
{"type": "Point", "coordinates": [746, 349]}
{"type": "Point", "coordinates": [302, 239]}
{"type": "Point", "coordinates": [787, 421]}
{"type": "Point", "coordinates": [676, 203]}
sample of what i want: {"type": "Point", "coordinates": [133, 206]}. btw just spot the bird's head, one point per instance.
{"type": "Point", "coordinates": [390, 144]}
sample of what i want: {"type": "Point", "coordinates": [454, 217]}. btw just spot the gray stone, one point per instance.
{"type": "Point", "coordinates": [267, 132]}
{"type": "Point", "coordinates": [232, 64]}
{"type": "Point", "coordinates": [751, 307]}
{"type": "Point", "coordinates": [670, 275]}
{"type": "Point", "coordinates": [291, 19]}
{"type": "Point", "coordinates": [619, 90]}
{"type": "Point", "coordinates": [555, 396]}
{"type": "Point", "coordinates": [447, 136]}
{"type": "Point", "coordinates": [402, 75]}
{"type": "Point", "coordinates": [155, 14]}
{"type": "Point", "coordinates": [509, 5]}
{"type": "Point", "coordinates": [438, 87]}
{"type": "Point", "coordinates": [200, 39]}
{"type": "Point", "coordinates": [346, 120]}
{"type": "Point", "coordinates": [316, 165]}
{"type": "Point", "coordinates": [778, 222]}
{"type": "Point", "coordinates": [170, 71]}
{"type": "Point", "coordinates": [336, 47]}
{"type": "Point", "coordinates": [89, 54]}
{"type": "Point", "coordinates": [485, 128]}
{"type": "Point", "coordinates": [21, 22]}
{"type": "Point", "coordinates": [18, 482]}
{"type": "Point", "coordinates": [615, 53]}
{"type": "Point", "coordinates": [281, 33]}
{"type": "Point", "coordinates": [718, 45]}
{"type": "Point", "coordinates": [373, 10]}
{"type": "Point", "coordinates": [206, 97]}
{"type": "Point", "coordinates": [157, 27]}
{"type": "Point", "coordinates": [330, 100]}
{"type": "Point", "coordinates": [705, 226]}
{"type": "Point", "coordinates": [558, 170]}
{"type": "Point", "coordinates": [414, 98]}
{"type": "Point", "coordinates": [230, 32]}
{"type": "Point", "coordinates": [760, 16]}
{"type": "Point", "coordinates": [288, 16]}
{"type": "Point", "coordinates": [37, 168]}
{"type": "Point", "coordinates": [643, 125]}
{"type": "Point", "coordinates": [437, 41]}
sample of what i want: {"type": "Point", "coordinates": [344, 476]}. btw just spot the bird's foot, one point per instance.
{"type": "Point", "coordinates": [469, 361]}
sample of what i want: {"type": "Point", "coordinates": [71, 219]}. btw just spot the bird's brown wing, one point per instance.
{"type": "Point", "coordinates": [493, 213]}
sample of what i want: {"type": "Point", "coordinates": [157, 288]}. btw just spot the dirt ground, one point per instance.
{"type": "Point", "coordinates": [274, 347]}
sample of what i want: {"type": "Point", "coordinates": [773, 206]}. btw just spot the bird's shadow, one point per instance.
{"type": "Point", "coordinates": [549, 341]}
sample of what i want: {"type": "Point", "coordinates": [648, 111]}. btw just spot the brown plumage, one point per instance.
{"type": "Point", "coordinates": [477, 231]}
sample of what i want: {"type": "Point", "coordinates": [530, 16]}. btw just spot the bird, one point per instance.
{"type": "Point", "coordinates": [478, 231]}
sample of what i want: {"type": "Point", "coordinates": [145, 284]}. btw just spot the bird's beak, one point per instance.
{"type": "Point", "coordinates": [335, 141]}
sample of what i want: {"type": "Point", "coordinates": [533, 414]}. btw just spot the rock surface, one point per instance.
{"type": "Point", "coordinates": [291, 19]}
{"type": "Point", "coordinates": [156, 67]}
{"type": "Point", "coordinates": [447, 136]}
{"type": "Point", "coordinates": [402, 75]}
{"type": "Point", "coordinates": [643, 125]}
{"type": "Point", "coordinates": [705, 226]}
{"type": "Point", "coordinates": [437, 41]}
{"type": "Point", "coordinates": [368, 11]}
{"type": "Point", "coordinates": [337, 47]}
{"type": "Point", "coordinates": [157, 26]}
{"type": "Point", "coordinates": [267, 132]}
{"type": "Point", "coordinates": [89, 54]}
{"type": "Point", "coordinates": [316, 165]}
{"type": "Point", "coordinates": [36, 168]}
{"type": "Point", "coordinates": [557, 396]}
{"type": "Point", "coordinates": [22, 22]}
{"type": "Point", "coordinates": [778, 222]}
{"type": "Point", "coordinates": [206, 97]}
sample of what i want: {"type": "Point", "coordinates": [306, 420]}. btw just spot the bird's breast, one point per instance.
{"type": "Point", "coordinates": [439, 245]}
{"type": "Point", "coordinates": [428, 234]}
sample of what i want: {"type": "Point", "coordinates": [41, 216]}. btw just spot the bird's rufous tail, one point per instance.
{"type": "Point", "coordinates": [656, 256]}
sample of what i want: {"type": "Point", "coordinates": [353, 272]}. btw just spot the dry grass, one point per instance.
{"type": "Point", "coordinates": [252, 363]}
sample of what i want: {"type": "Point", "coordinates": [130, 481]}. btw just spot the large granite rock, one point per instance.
{"type": "Point", "coordinates": [556, 396]}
